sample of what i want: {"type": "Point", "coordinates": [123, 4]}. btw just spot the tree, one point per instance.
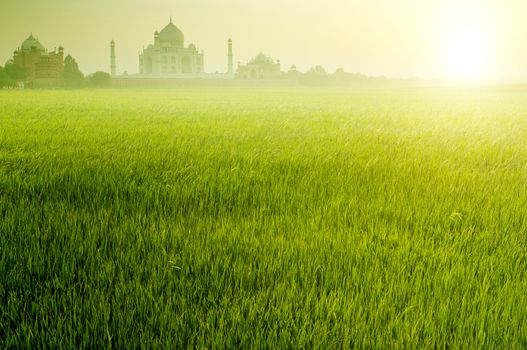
{"type": "Point", "coordinates": [99, 79]}
{"type": "Point", "coordinates": [5, 79]}
{"type": "Point", "coordinates": [316, 76]}
{"type": "Point", "coordinates": [15, 72]}
{"type": "Point", "coordinates": [318, 71]}
{"type": "Point", "coordinates": [343, 77]}
{"type": "Point", "coordinates": [73, 77]}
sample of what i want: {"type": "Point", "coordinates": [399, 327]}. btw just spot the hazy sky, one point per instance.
{"type": "Point", "coordinates": [427, 38]}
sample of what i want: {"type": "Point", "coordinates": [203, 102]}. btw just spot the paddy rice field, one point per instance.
{"type": "Point", "coordinates": [264, 218]}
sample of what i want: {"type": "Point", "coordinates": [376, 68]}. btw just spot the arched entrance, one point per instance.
{"type": "Point", "coordinates": [148, 65]}
{"type": "Point", "coordinates": [186, 65]}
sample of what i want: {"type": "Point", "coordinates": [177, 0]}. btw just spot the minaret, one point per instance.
{"type": "Point", "coordinates": [230, 65]}
{"type": "Point", "coordinates": [156, 39]}
{"type": "Point", "coordinates": [113, 64]}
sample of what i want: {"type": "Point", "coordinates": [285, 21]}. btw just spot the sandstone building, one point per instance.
{"type": "Point", "coordinates": [259, 68]}
{"type": "Point", "coordinates": [43, 68]}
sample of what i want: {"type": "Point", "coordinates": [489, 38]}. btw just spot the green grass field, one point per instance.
{"type": "Point", "coordinates": [265, 218]}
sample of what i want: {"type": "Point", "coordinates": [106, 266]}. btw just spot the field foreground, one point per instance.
{"type": "Point", "coordinates": [263, 218]}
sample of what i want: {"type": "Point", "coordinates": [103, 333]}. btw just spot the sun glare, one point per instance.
{"type": "Point", "coordinates": [468, 43]}
{"type": "Point", "coordinates": [466, 54]}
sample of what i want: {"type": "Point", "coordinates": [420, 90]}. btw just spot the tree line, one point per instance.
{"type": "Point", "coordinates": [318, 75]}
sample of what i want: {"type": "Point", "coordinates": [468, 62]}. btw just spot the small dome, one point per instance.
{"type": "Point", "coordinates": [171, 33]}
{"type": "Point", "coordinates": [31, 43]}
{"type": "Point", "coordinates": [262, 59]}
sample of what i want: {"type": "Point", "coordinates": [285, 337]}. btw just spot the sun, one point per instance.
{"type": "Point", "coordinates": [466, 54]}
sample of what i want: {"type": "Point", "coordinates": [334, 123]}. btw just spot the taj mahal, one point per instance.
{"type": "Point", "coordinates": [168, 54]}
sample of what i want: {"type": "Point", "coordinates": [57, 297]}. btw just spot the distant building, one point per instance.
{"type": "Point", "coordinates": [230, 65]}
{"type": "Point", "coordinates": [113, 62]}
{"type": "Point", "coordinates": [259, 68]}
{"type": "Point", "coordinates": [168, 55]}
{"type": "Point", "coordinates": [293, 73]}
{"type": "Point", "coordinates": [43, 68]}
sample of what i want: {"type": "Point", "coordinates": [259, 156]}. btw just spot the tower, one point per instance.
{"type": "Point", "coordinates": [156, 38]}
{"type": "Point", "coordinates": [113, 64]}
{"type": "Point", "coordinates": [61, 57]}
{"type": "Point", "coordinates": [230, 65]}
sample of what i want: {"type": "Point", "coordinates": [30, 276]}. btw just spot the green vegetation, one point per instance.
{"type": "Point", "coordinates": [73, 77]}
{"type": "Point", "coordinates": [11, 74]}
{"type": "Point", "coordinates": [99, 79]}
{"type": "Point", "coordinates": [263, 218]}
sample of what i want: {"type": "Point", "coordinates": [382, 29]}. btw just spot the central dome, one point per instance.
{"type": "Point", "coordinates": [32, 43]}
{"type": "Point", "coordinates": [171, 33]}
